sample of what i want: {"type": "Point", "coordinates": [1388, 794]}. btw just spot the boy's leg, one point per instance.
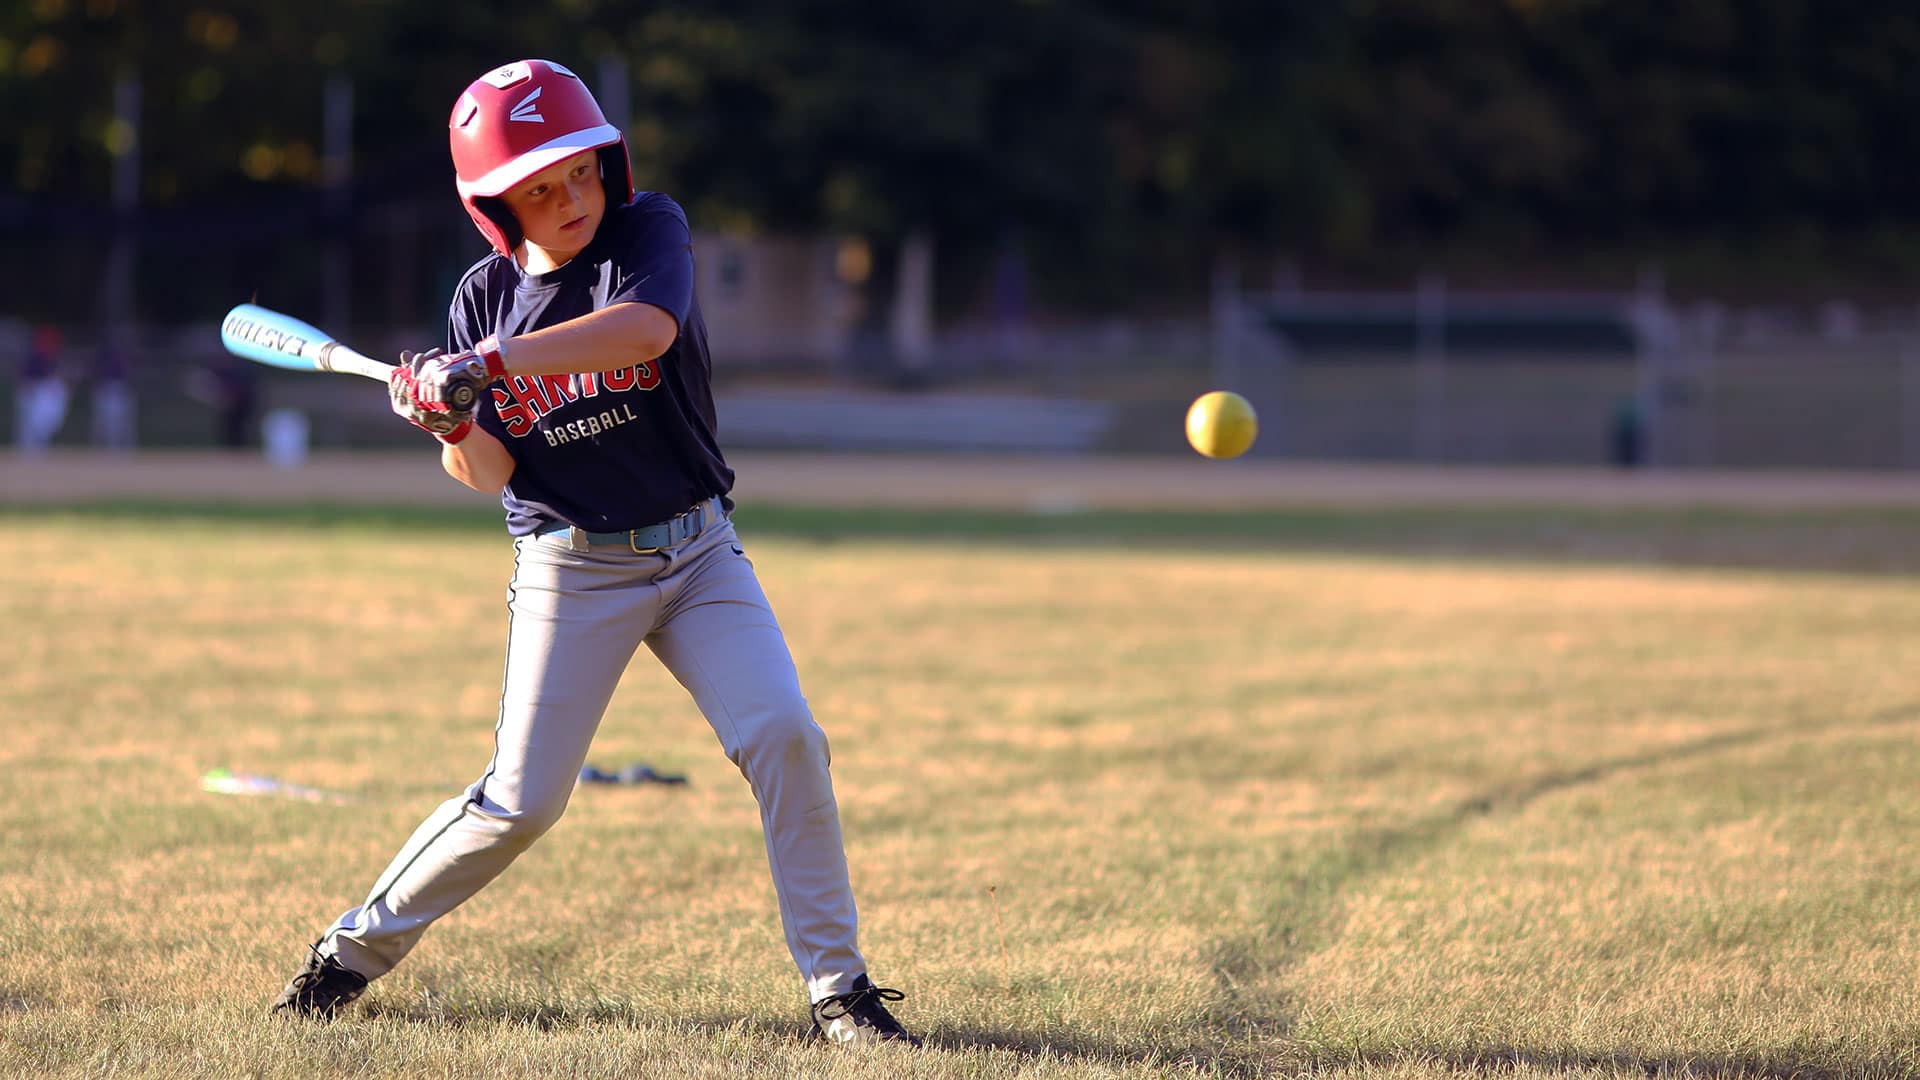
{"type": "Point", "coordinates": [576, 621]}
{"type": "Point", "coordinates": [719, 637]}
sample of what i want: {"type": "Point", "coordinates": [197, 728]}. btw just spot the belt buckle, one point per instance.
{"type": "Point", "coordinates": [669, 523]}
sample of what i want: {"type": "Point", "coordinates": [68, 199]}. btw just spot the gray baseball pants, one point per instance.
{"type": "Point", "coordinates": [578, 616]}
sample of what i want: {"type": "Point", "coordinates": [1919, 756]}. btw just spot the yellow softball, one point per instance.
{"type": "Point", "coordinates": [1221, 424]}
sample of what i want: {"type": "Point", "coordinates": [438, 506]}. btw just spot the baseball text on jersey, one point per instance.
{"type": "Point", "coordinates": [524, 401]}
{"type": "Point", "coordinates": [589, 427]}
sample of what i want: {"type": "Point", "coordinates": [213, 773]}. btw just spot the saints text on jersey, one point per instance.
{"type": "Point", "coordinates": [523, 401]}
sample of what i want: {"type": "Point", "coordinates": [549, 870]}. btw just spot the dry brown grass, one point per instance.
{"type": "Point", "coordinates": [1241, 812]}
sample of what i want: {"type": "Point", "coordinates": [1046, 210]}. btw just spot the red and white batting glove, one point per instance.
{"type": "Point", "coordinates": [404, 392]}
{"type": "Point", "coordinates": [484, 364]}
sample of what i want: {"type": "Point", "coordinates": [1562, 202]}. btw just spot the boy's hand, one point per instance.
{"type": "Point", "coordinates": [456, 381]}
{"type": "Point", "coordinates": [410, 401]}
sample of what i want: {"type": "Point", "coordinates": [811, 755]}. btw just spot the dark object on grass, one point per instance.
{"type": "Point", "coordinates": [636, 773]}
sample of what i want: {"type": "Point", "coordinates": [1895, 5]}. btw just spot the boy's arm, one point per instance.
{"type": "Point", "coordinates": [478, 460]}
{"type": "Point", "coordinates": [614, 337]}
{"type": "Point", "coordinates": [618, 336]}
{"type": "Point", "coordinates": [609, 339]}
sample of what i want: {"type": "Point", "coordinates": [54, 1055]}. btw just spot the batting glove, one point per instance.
{"type": "Point", "coordinates": [483, 364]}
{"type": "Point", "coordinates": [404, 391]}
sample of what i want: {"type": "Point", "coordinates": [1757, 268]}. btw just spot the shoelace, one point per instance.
{"type": "Point", "coordinates": [307, 976]}
{"type": "Point", "coordinates": [839, 1005]}
{"type": "Point", "coordinates": [309, 979]}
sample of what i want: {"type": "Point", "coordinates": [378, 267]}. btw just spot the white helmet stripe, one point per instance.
{"type": "Point", "coordinates": [512, 172]}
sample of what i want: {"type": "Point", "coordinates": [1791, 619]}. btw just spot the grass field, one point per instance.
{"type": "Point", "coordinates": [1344, 793]}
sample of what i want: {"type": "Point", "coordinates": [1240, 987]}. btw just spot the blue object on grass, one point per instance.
{"type": "Point", "coordinates": [636, 773]}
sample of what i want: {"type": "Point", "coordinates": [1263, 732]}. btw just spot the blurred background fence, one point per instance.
{"type": "Point", "coordinates": [1629, 379]}
{"type": "Point", "coordinates": [1424, 375]}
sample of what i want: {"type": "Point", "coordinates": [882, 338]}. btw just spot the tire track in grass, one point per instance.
{"type": "Point", "coordinates": [1309, 912]}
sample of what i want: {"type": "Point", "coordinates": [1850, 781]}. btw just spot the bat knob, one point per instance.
{"type": "Point", "coordinates": [461, 396]}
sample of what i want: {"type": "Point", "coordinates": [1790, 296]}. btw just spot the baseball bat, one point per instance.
{"type": "Point", "coordinates": [270, 337]}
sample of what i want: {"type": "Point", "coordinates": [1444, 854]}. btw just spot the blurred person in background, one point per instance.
{"type": "Point", "coordinates": [226, 385]}
{"type": "Point", "coordinates": [41, 402]}
{"type": "Point", "coordinates": [1010, 306]}
{"type": "Point", "coordinates": [112, 395]}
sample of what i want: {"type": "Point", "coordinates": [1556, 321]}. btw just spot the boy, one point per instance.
{"type": "Point", "coordinates": [597, 430]}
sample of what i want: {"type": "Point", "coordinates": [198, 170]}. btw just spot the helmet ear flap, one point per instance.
{"type": "Point", "coordinates": [616, 172]}
{"type": "Point", "coordinates": [496, 211]}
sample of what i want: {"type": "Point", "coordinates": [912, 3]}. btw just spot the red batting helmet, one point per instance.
{"type": "Point", "coordinates": [518, 119]}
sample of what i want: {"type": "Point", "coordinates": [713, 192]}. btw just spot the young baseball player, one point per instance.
{"type": "Point", "coordinates": [597, 430]}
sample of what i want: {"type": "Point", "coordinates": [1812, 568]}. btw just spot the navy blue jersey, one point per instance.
{"type": "Point", "coordinates": [612, 450]}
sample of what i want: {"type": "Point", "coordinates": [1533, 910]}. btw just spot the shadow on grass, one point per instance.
{"type": "Point", "coordinates": [1310, 911]}
{"type": "Point", "coordinates": [1877, 541]}
{"type": "Point", "coordinates": [430, 1009]}
{"type": "Point", "coordinates": [1211, 1060]}
{"type": "Point", "coordinates": [1208, 1060]}
{"type": "Point", "coordinates": [1493, 1062]}
{"type": "Point", "coordinates": [1205, 1059]}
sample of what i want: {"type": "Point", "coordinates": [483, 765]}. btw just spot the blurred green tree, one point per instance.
{"type": "Point", "coordinates": [1125, 143]}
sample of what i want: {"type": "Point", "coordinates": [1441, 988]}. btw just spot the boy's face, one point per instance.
{"type": "Point", "coordinates": [560, 206]}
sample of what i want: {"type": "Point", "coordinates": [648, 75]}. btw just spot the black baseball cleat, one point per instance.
{"type": "Point", "coordinates": [859, 1017]}
{"type": "Point", "coordinates": [320, 989]}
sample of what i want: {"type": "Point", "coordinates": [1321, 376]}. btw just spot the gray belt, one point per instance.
{"type": "Point", "coordinates": [647, 539]}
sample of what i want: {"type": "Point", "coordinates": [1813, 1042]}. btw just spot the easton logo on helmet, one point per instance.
{"type": "Point", "coordinates": [527, 111]}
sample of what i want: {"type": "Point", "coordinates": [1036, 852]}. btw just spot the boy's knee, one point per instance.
{"type": "Point", "coordinates": [786, 739]}
{"type": "Point", "coordinates": [519, 828]}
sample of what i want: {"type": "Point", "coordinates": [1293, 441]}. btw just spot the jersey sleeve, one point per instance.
{"type": "Point", "coordinates": [462, 322]}
{"type": "Point", "coordinates": [464, 327]}
{"type": "Point", "coordinates": [657, 266]}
